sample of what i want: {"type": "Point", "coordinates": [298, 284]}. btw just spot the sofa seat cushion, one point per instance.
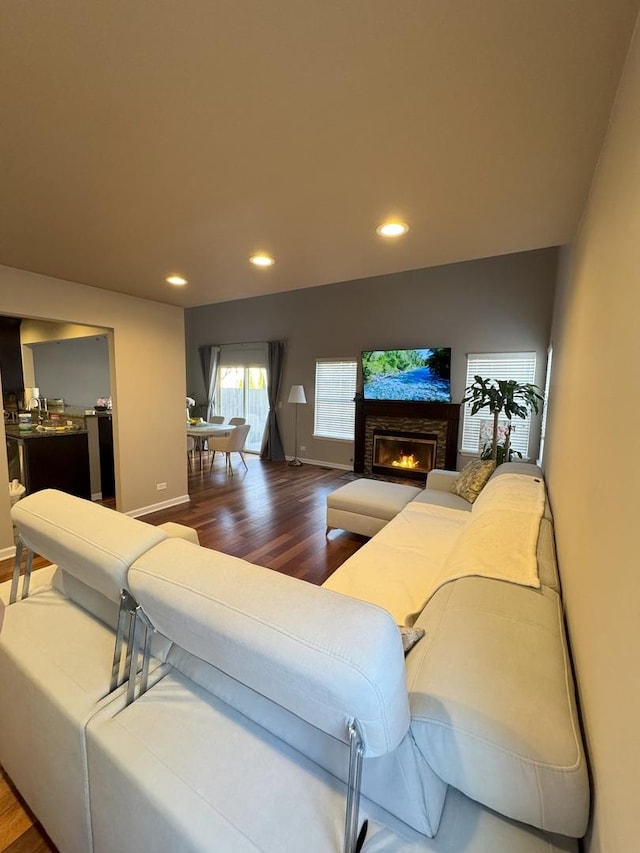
{"type": "Point", "coordinates": [466, 827]}
{"type": "Point", "coordinates": [182, 770]}
{"type": "Point", "coordinates": [91, 542]}
{"type": "Point", "coordinates": [492, 702]}
{"type": "Point", "coordinates": [440, 497]}
{"type": "Point", "coordinates": [396, 570]}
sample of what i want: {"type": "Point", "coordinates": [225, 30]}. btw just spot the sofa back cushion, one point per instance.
{"type": "Point", "coordinates": [323, 656]}
{"type": "Point", "coordinates": [94, 544]}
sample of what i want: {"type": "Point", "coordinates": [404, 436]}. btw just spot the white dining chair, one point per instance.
{"type": "Point", "coordinates": [233, 443]}
{"type": "Point", "coordinates": [214, 419]}
{"type": "Point", "coordinates": [237, 421]}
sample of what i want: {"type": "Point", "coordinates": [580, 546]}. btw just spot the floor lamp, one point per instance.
{"type": "Point", "coordinates": [296, 395]}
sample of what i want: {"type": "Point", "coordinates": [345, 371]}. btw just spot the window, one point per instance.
{"type": "Point", "coordinates": [520, 366]}
{"type": "Point", "coordinates": [547, 383]}
{"type": "Point", "coordinates": [334, 415]}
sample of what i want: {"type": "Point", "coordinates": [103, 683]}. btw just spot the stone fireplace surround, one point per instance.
{"type": "Point", "coordinates": [441, 419]}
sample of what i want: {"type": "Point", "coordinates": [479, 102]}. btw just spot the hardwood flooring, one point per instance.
{"type": "Point", "coordinates": [273, 515]}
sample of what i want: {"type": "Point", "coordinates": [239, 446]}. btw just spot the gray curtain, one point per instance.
{"type": "Point", "coordinates": [272, 449]}
{"type": "Point", "coordinates": [209, 359]}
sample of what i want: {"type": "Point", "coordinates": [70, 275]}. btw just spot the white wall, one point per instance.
{"type": "Point", "coordinates": [592, 469]}
{"type": "Point", "coordinates": [148, 382]}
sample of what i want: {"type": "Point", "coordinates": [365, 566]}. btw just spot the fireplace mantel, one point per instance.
{"type": "Point", "coordinates": [446, 413]}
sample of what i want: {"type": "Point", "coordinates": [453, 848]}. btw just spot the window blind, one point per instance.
{"type": "Point", "coordinates": [476, 429]}
{"type": "Point", "coordinates": [334, 415]}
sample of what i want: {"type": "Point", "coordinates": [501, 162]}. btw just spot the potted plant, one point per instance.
{"type": "Point", "coordinates": [506, 398]}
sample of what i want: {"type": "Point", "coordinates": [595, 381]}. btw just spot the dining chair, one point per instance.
{"type": "Point", "coordinates": [237, 421]}
{"type": "Point", "coordinates": [233, 443]}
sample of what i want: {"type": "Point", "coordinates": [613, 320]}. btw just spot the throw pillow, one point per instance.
{"type": "Point", "coordinates": [473, 479]}
{"type": "Point", "coordinates": [410, 637]}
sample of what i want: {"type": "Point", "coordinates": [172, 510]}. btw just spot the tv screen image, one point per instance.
{"type": "Point", "coordinates": [420, 375]}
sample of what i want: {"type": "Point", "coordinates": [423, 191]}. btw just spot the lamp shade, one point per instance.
{"type": "Point", "coordinates": [296, 395]}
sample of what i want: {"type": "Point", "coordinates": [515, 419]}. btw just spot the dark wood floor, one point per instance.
{"type": "Point", "coordinates": [272, 515]}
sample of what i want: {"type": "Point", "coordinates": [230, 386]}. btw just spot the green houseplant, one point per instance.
{"type": "Point", "coordinates": [503, 398]}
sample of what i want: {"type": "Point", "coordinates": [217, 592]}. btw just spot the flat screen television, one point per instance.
{"type": "Point", "coordinates": [419, 375]}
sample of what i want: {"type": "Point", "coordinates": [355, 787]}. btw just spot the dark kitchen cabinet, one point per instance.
{"type": "Point", "coordinates": [107, 468]}
{"type": "Point", "coordinates": [11, 356]}
{"type": "Point", "coordinates": [50, 461]}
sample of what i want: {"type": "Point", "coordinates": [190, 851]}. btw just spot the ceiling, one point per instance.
{"type": "Point", "coordinates": [145, 138]}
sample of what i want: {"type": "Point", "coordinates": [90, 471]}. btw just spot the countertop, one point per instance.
{"type": "Point", "coordinates": [14, 431]}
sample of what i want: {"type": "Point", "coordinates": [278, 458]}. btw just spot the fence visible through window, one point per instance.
{"type": "Point", "coordinates": [242, 393]}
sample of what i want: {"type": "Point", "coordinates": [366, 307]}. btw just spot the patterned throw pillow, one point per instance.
{"type": "Point", "coordinates": [473, 479]}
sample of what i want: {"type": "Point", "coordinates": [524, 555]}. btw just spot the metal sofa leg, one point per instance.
{"type": "Point", "coordinates": [26, 580]}
{"type": "Point", "coordinates": [352, 841]}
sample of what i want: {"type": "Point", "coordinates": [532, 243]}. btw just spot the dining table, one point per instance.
{"type": "Point", "coordinates": [203, 430]}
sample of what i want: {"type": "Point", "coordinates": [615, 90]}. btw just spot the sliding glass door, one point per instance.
{"type": "Point", "coordinates": [241, 392]}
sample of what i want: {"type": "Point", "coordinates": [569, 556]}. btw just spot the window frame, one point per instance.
{"type": "Point", "coordinates": [342, 396]}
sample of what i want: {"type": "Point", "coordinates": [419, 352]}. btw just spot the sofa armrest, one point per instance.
{"type": "Point", "coordinates": [502, 724]}
{"type": "Point", "coordinates": [441, 480]}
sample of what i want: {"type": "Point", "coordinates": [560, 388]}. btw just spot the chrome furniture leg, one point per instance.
{"type": "Point", "coordinates": [356, 753]}
{"type": "Point", "coordinates": [134, 631]}
{"type": "Point", "coordinates": [26, 580]}
{"type": "Point", "coordinates": [124, 639]}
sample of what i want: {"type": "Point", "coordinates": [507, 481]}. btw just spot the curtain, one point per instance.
{"type": "Point", "coordinates": [209, 358]}
{"type": "Point", "coordinates": [272, 449]}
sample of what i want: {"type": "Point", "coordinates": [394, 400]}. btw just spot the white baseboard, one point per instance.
{"type": "Point", "coordinates": [322, 464]}
{"type": "Point", "coordinates": [147, 510]}
{"type": "Point", "coordinates": [8, 553]}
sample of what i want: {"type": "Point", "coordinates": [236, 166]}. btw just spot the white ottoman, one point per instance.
{"type": "Point", "coordinates": [365, 506]}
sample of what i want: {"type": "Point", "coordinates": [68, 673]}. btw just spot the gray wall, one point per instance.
{"type": "Point", "coordinates": [75, 369]}
{"type": "Point", "coordinates": [490, 305]}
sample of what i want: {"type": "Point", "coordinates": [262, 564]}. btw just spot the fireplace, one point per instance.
{"type": "Point", "coordinates": [433, 422]}
{"type": "Point", "coordinates": [403, 454]}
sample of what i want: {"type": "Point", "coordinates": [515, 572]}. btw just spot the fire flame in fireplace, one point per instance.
{"type": "Point", "coordinates": [405, 461]}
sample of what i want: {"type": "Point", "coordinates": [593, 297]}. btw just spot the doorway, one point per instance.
{"type": "Point", "coordinates": [67, 374]}
{"type": "Point", "coordinates": [241, 392]}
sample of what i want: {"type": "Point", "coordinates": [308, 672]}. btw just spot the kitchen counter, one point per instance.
{"type": "Point", "coordinates": [15, 432]}
{"type": "Point", "coordinates": [49, 460]}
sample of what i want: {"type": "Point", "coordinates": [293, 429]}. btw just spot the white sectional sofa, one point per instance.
{"type": "Point", "coordinates": [263, 698]}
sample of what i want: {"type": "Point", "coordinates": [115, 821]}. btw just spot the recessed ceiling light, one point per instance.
{"type": "Point", "coordinates": [392, 229]}
{"type": "Point", "coordinates": [176, 280]}
{"type": "Point", "coordinates": [262, 260]}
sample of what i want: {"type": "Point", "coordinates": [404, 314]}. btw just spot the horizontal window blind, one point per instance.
{"type": "Point", "coordinates": [478, 428]}
{"type": "Point", "coordinates": [334, 415]}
